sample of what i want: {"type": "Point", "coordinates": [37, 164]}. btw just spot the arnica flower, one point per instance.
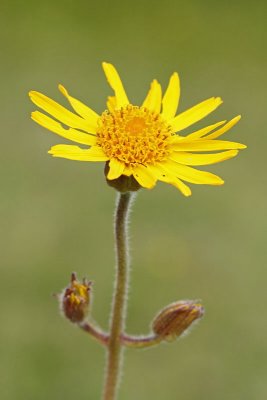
{"type": "Point", "coordinates": [140, 142]}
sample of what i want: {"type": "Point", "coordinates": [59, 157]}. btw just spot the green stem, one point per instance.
{"type": "Point", "coordinates": [140, 342]}
{"type": "Point", "coordinates": [101, 336]}
{"type": "Point", "coordinates": [135, 342]}
{"type": "Point", "coordinates": [114, 356]}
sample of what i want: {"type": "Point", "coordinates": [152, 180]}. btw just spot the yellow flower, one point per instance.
{"type": "Point", "coordinates": [140, 141]}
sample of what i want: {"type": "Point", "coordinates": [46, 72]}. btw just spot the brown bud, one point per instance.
{"type": "Point", "coordinates": [176, 318]}
{"type": "Point", "coordinates": [75, 300]}
{"type": "Point", "coordinates": [122, 184]}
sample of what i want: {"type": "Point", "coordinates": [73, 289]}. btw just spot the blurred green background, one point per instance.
{"type": "Point", "coordinates": [56, 215]}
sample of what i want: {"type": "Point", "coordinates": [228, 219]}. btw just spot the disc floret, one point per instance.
{"type": "Point", "coordinates": [134, 135]}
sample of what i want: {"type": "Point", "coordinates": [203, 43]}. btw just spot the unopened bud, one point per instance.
{"type": "Point", "coordinates": [75, 299]}
{"type": "Point", "coordinates": [174, 320]}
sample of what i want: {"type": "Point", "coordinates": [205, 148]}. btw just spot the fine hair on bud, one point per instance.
{"type": "Point", "coordinates": [174, 320]}
{"type": "Point", "coordinates": [75, 299]}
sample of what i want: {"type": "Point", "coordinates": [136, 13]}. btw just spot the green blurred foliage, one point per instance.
{"type": "Point", "coordinates": [56, 215]}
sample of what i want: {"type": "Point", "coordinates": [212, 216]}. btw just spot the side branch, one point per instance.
{"type": "Point", "coordinates": [131, 341]}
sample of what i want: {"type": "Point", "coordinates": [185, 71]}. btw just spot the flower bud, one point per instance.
{"type": "Point", "coordinates": [174, 320]}
{"type": "Point", "coordinates": [75, 300]}
{"type": "Point", "coordinates": [122, 184]}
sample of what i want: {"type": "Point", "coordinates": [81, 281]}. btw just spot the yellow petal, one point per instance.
{"type": "Point", "coordinates": [202, 159]}
{"type": "Point", "coordinates": [224, 129]}
{"type": "Point", "coordinates": [153, 99]}
{"type": "Point", "coordinates": [202, 132]}
{"type": "Point", "coordinates": [192, 175]}
{"type": "Point", "coordinates": [95, 153]}
{"type": "Point", "coordinates": [143, 177]}
{"type": "Point", "coordinates": [111, 103]}
{"type": "Point", "coordinates": [56, 127]}
{"type": "Point", "coordinates": [128, 171]}
{"type": "Point", "coordinates": [171, 98]}
{"type": "Point", "coordinates": [180, 185]}
{"type": "Point", "coordinates": [116, 84]}
{"type": "Point", "coordinates": [163, 175]}
{"type": "Point", "coordinates": [84, 111]}
{"type": "Point", "coordinates": [206, 145]}
{"type": "Point", "coordinates": [61, 113]}
{"type": "Point", "coordinates": [116, 169]}
{"type": "Point", "coordinates": [194, 114]}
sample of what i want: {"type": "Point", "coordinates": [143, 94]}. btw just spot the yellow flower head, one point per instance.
{"type": "Point", "coordinates": [140, 141]}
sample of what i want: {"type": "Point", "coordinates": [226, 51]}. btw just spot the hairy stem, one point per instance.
{"type": "Point", "coordinates": [140, 342]}
{"type": "Point", "coordinates": [135, 342]}
{"type": "Point", "coordinates": [101, 336]}
{"type": "Point", "coordinates": [114, 356]}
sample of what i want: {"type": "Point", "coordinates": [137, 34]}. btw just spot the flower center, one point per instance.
{"type": "Point", "coordinates": [134, 135]}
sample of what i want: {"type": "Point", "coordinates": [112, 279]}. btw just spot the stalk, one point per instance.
{"type": "Point", "coordinates": [118, 311]}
